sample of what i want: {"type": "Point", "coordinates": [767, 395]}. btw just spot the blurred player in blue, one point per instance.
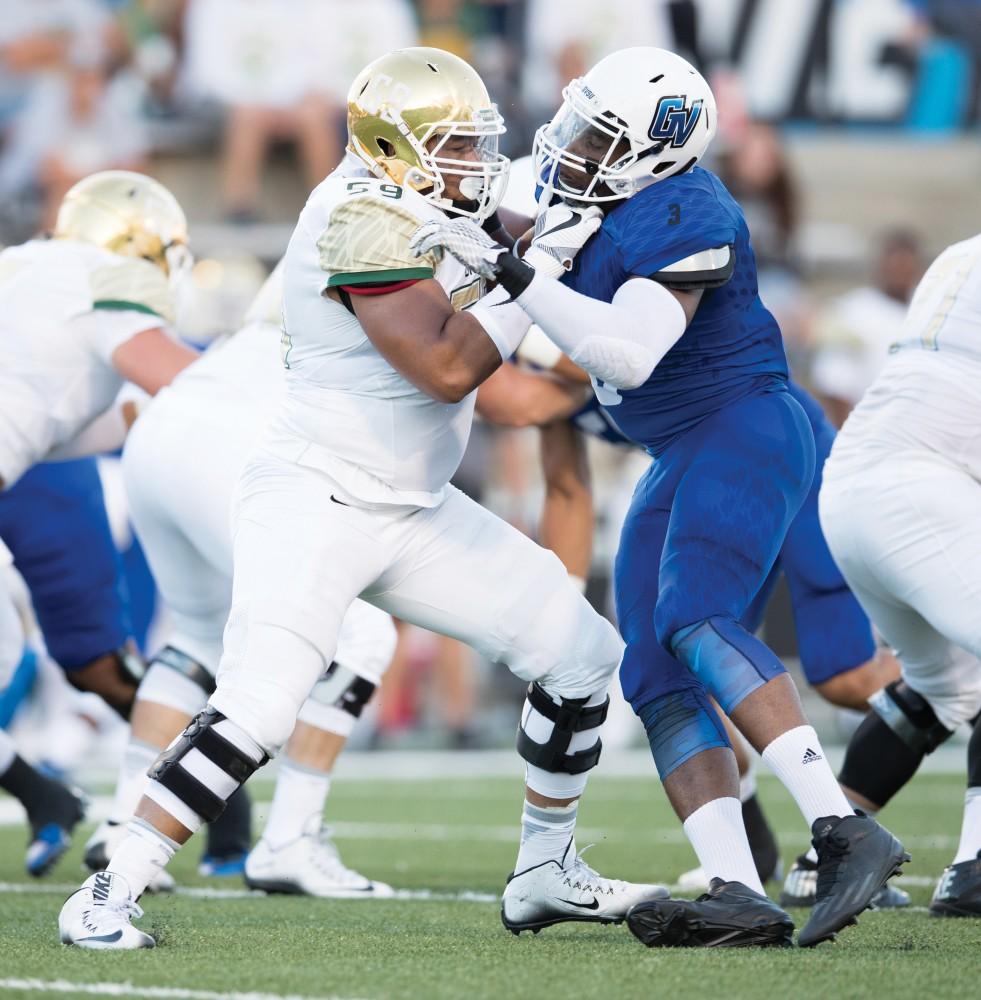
{"type": "Point", "coordinates": [661, 308]}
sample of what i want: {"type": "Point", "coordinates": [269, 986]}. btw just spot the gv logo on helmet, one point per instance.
{"type": "Point", "coordinates": [674, 121]}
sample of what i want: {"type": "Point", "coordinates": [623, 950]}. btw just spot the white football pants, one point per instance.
{"type": "Point", "coordinates": [906, 533]}
{"type": "Point", "coordinates": [181, 466]}
{"type": "Point", "coordinates": [303, 554]}
{"type": "Point", "coordinates": [11, 630]}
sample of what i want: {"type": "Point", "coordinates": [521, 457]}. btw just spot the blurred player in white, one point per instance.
{"type": "Point", "coordinates": [900, 509]}
{"type": "Point", "coordinates": [79, 315]}
{"type": "Point", "coordinates": [181, 464]}
{"type": "Point", "coordinates": [349, 495]}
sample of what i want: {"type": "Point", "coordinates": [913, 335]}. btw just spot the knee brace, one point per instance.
{"type": "Point", "coordinates": [337, 701]}
{"type": "Point", "coordinates": [681, 725]}
{"type": "Point", "coordinates": [548, 730]}
{"type": "Point", "coordinates": [728, 661]}
{"type": "Point", "coordinates": [176, 680]}
{"type": "Point", "coordinates": [909, 716]}
{"type": "Point", "coordinates": [204, 767]}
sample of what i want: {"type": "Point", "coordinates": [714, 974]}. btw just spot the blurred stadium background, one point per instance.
{"type": "Point", "coordinates": [849, 131]}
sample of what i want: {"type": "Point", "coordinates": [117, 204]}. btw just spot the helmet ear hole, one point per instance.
{"type": "Point", "coordinates": [659, 168]}
{"type": "Point", "coordinates": [388, 150]}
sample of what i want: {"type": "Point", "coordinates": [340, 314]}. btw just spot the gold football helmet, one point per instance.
{"type": "Point", "coordinates": [399, 104]}
{"type": "Point", "coordinates": [129, 214]}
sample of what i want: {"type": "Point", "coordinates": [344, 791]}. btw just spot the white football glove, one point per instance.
{"type": "Point", "coordinates": [471, 246]}
{"type": "Point", "coordinates": [560, 233]}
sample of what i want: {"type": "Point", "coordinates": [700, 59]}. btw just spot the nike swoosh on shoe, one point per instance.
{"type": "Point", "coordinates": [594, 905]}
{"type": "Point", "coordinates": [107, 938]}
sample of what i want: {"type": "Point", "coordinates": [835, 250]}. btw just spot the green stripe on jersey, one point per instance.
{"type": "Point", "coordinates": [122, 304]}
{"type": "Point", "coordinates": [379, 277]}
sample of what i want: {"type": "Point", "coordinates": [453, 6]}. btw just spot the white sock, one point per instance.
{"type": "Point", "coordinates": [7, 752]}
{"type": "Point", "coordinates": [143, 852]}
{"type": "Point", "coordinates": [798, 760]}
{"type": "Point", "coordinates": [717, 834]}
{"type": "Point", "coordinates": [747, 783]}
{"type": "Point", "coordinates": [547, 832]}
{"type": "Point", "coordinates": [137, 760]}
{"type": "Point", "coordinates": [300, 795]}
{"type": "Point", "coordinates": [970, 845]}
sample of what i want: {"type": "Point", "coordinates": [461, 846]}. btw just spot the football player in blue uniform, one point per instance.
{"type": "Point", "coordinates": [662, 309]}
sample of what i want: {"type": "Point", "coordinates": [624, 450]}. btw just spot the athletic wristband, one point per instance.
{"type": "Point", "coordinates": [505, 322]}
{"type": "Point", "coordinates": [513, 275]}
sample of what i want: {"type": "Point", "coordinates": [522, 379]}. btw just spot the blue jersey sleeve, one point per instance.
{"type": "Point", "coordinates": [670, 222]}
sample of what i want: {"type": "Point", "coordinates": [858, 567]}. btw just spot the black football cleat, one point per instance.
{"type": "Point", "coordinates": [958, 893]}
{"type": "Point", "coordinates": [856, 856]}
{"type": "Point", "coordinates": [729, 915]}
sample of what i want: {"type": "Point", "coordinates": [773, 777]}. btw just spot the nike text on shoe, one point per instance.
{"type": "Point", "coordinates": [958, 893]}
{"type": "Point", "coordinates": [309, 866]}
{"type": "Point", "coordinates": [550, 894]}
{"type": "Point", "coordinates": [729, 915]}
{"type": "Point", "coordinates": [98, 915]}
{"type": "Point", "coordinates": [855, 858]}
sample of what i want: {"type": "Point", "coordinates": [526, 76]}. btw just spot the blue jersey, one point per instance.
{"type": "Point", "coordinates": [733, 345]}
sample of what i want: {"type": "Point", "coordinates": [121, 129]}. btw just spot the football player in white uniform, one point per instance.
{"type": "Point", "coordinates": [79, 315]}
{"type": "Point", "coordinates": [899, 506]}
{"type": "Point", "coordinates": [348, 494]}
{"type": "Point", "coordinates": [181, 463]}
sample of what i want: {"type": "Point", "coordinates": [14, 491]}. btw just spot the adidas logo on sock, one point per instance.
{"type": "Point", "coordinates": [810, 756]}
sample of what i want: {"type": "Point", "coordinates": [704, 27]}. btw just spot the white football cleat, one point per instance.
{"type": "Point", "coordinates": [693, 881]}
{"type": "Point", "coordinates": [309, 866]}
{"type": "Point", "coordinates": [101, 846]}
{"type": "Point", "coordinates": [98, 915]}
{"type": "Point", "coordinates": [550, 894]}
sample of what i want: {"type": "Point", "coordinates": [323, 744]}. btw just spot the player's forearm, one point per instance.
{"type": "Point", "coordinates": [105, 433]}
{"type": "Point", "coordinates": [460, 359]}
{"type": "Point", "coordinates": [618, 342]}
{"type": "Point", "coordinates": [567, 515]}
{"type": "Point", "coordinates": [515, 398]}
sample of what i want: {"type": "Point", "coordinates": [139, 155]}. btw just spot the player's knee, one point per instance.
{"type": "Point", "coordinates": [559, 739]}
{"type": "Point", "coordinates": [264, 681]}
{"type": "Point", "coordinates": [337, 701]}
{"type": "Point", "coordinates": [681, 725]}
{"type": "Point", "coordinates": [910, 716]}
{"type": "Point", "coordinates": [177, 681]}
{"type": "Point", "coordinates": [729, 662]}
{"type": "Point", "coordinates": [202, 769]}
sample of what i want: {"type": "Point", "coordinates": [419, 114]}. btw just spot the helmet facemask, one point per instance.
{"type": "Point", "coordinates": [437, 159]}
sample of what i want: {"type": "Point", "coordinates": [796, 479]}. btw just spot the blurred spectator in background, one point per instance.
{"type": "Point", "coordinates": [65, 110]}
{"type": "Point", "coordinates": [565, 37]}
{"type": "Point", "coordinates": [854, 332]}
{"type": "Point", "coordinates": [284, 75]}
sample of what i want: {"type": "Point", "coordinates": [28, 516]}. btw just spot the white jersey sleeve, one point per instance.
{"type": "Point", "coordinates": [104, 331]}
{"type": "Point", "coordinates": [945, 314]}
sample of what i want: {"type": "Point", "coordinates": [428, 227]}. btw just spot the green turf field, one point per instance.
{"type": "Point", "coordinates": [453, 837]}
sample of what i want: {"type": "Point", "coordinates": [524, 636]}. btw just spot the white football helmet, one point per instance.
{"type": "Point", "coordinates": [637, 117]}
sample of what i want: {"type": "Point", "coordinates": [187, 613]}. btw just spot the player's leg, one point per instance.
{"type": "Point", "coordinates": [469, 575]}
{"type": "Point", "coordinates": [300, 560]}
{"type": "Point", "coordinates": [54, 521]}
{"type": "Point", "coordinates": [958, 893]}
{"type": "Point", "coordinates": [295, 853]}
{"type": "Point", "coordinates": [744, 474]}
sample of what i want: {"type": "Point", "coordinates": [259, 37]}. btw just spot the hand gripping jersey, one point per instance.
{"type": "Point", "coordinates": [64, 308]}
{"type": "Point", "coordinates": [731, 348]}
{"type": "Point", "coordinates": [347, 410]}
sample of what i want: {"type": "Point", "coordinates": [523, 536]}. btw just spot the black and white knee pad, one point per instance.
{"type": "Point", "coordinates": [337, 700]}
{"type": "Point", "coordinates": [178, 681]}
{"type": "Point", "coordinates": [561, 737]}
{"type": "Point", "coordinates": [201, 770]}
{"type": "Point", "coordinates": [910, 716]}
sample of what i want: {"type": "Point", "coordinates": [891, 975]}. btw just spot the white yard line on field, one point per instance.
{"type": "Point", "coordinates": [129, 990]}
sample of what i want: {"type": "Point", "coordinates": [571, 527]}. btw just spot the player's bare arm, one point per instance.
{"type": "Point", "coordinates": [152, 359]}
{"type": "Point", "coordinates": [513, 397]}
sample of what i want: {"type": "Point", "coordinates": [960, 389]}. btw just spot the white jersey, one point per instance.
{"type": "Point", "coordinates": [347, 411]}
{"type": "Point", "coordinates": [928, 396]}
{"type": "Point", "coordinates": [64, 309]}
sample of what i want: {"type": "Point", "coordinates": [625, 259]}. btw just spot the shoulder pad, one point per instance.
{"type": "Point", "coordinates": [367, 241]}
{"type": "Point", "coordinates": [705, 269]}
